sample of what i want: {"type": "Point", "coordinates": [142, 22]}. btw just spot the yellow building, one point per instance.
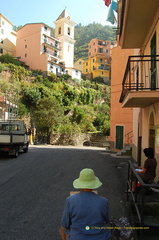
{"type": "Point", "coordinates": [79, 64]}
{"type": "Point", "coordinates": [7, 37]}
{"type": "Point", "coordinates": [97, 66]}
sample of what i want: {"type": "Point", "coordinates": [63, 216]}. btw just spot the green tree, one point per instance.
{"type": "Point", "coordinates": [31, 97]}
{"type": "Point", "coordinates": [22, 110]}
{"type": "Point", "coordinates": [78, 115]}
{"type": "Point", "coordinates": [6, 58]}
{"type": "Point", "coordinates": [48, 115]}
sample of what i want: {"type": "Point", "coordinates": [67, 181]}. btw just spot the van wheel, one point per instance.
{"type": "Point", "coordinates": [16, 152]}
{"type": "Point", "coordinates": [25, 149]}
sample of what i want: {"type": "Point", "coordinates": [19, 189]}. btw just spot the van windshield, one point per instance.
{"type": "Point", "coordinates": [9, 127]}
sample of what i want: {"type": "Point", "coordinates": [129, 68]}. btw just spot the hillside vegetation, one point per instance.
{"type": "Point", "coordinates": [56, 104]}
{"type": "Point", "coordinates": [84, 34]}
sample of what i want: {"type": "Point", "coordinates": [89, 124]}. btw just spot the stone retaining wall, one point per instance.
{"type": "Point", "coordinates": [89, 139]}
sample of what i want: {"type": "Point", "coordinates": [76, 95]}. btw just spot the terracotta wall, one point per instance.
{"type": "Point", "coordinates": [119, 116]}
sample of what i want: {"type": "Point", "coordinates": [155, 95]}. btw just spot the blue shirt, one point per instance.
{"type": "Point", "coordinates": [85, 216]}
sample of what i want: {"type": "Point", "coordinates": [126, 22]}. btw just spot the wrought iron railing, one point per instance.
{"type": "Point", "coordinates": [129, 137]}
{"type": "Point", "coordinates": [139, 197]}
{"type": "Point", "coordinates": [141, 74]}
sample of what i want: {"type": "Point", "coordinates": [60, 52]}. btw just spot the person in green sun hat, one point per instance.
{"type": "Point", "coordinates": [86, 214]}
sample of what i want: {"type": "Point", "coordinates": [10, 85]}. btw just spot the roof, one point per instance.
{"type": "Point", "coordinates": [35, 24]}
{"type": "Point", "coordinates": [64, 14]}
{"type": "Point", "coordinates": [1, 15]}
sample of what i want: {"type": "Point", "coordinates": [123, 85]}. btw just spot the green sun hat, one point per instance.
{"type": "Point", "coordinates": [87, 180]}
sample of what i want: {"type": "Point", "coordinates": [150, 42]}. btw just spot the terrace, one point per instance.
{"type": "Point", "coordinates": [140, 86]}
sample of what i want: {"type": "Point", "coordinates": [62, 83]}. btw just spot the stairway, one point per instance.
{"type": "Point", "coordinates": [124, 153]}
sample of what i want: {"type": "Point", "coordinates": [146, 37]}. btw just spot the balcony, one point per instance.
{"type": "Point", "coordinates": [51, 45]}
{"type": "Point", "coordinates": [140, 86]}
{"type": "Point", "coordinates": [135, 20]}
{"type": "Point", "coordinates": [107, 68]}
{"type": "Point", "coordinates": [53, 54]}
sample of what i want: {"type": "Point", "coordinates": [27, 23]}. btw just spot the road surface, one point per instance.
{"type": "Point", "coordinates": [34, 186]}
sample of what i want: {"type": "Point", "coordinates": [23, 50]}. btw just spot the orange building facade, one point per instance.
{"type": "Point", "coordinates": [121, 120]}
{"type": "Point", "coordinates": [140, 84]}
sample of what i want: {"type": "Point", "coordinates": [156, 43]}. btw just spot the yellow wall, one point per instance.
{"type": "Point", "coordinates": [79, 65]}
{"type": "Point", "coordinates": [92, 66]}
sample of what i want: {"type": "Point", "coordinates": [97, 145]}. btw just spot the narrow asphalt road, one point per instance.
{"type": "Point", "coordinates": [34, 186]}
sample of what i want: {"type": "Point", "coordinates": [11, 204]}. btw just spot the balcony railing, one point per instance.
{"type": "Point", "coordinates": [141, 74]}
{"type": "Point", "coordinates": [107, 68]}
{"type": "Point", "coordinates": [144, 199]}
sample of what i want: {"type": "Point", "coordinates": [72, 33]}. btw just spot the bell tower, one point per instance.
{"type": "Point", "coordinates": [64, 31]}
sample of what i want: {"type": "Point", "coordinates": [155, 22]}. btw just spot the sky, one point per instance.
{"type": "Point", "coordinates": [21, 12]}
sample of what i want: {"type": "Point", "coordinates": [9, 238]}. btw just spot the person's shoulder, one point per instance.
{"type": "Point", "coordinates": [101, 198]}
{"type": "Point", "coordinates": [73, 196]}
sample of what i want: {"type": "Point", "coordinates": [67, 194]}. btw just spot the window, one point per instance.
{"type": "Point", "coordinates": [25, 46]}
{"type": "Point", "coordinates": [101, 59]}
{"type": "Point", "coordinates": [86, 70]}
{"type": "Point", "coordinates": [107, 50]}
{"type": "Point", "coordinates": [76, 72]}
{"type": "Point", "coordinates": [93, 60]}
{"type": "Point", "coordinates": [45, 38]}
{"type": "Point", "coordinates": [45, 28]}
{"type": "Point", "coordinates": [100, 50]}
{"type": "Point", "coordinates": [99, 42]}
{"type": "Point", "coordinates": [59, 31]}
{"type": "Point", "coordinates": [10, 127]}
{"type": "Point", "coordinates": [1, 41]}
{"type": "Point", "coordinates": [86, 63]}
{"type": "Point", "coordinates": [55, 53]}
{"type": "Point", "coordinates": [1, 50]}
{"type": "Point", "coordinates": [68, 31]}
{"type": "Point", "coordinates": [56, 44]}
{"type": "Point", "coordinates": [45, 49]}
{"type": "Point", "coordinates": [2, 31]}
{"type": "Point", "coordinates": [25, 55]}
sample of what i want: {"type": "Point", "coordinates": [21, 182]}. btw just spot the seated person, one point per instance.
{"type": "Point", "coordinates": [148, 171]}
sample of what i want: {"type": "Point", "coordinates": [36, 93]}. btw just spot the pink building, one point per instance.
{"type": "Point", "coordinates": [99, 47]}
{"type": "Point", "coordinates": [38, 49]}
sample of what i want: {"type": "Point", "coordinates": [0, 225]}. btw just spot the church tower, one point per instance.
{"type": "Point", "coordinates": [64, 31]}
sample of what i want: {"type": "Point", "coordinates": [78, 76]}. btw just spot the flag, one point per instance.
{"type": "Point", "coordinates": [111, 16]}
{"type": "Point", "coordinates": [107, 2]}
{"type": "Point", "coordinates": [114, 5]}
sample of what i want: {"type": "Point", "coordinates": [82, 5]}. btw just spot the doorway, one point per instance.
{"type": "Point", "coordinates": [119, 137]}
